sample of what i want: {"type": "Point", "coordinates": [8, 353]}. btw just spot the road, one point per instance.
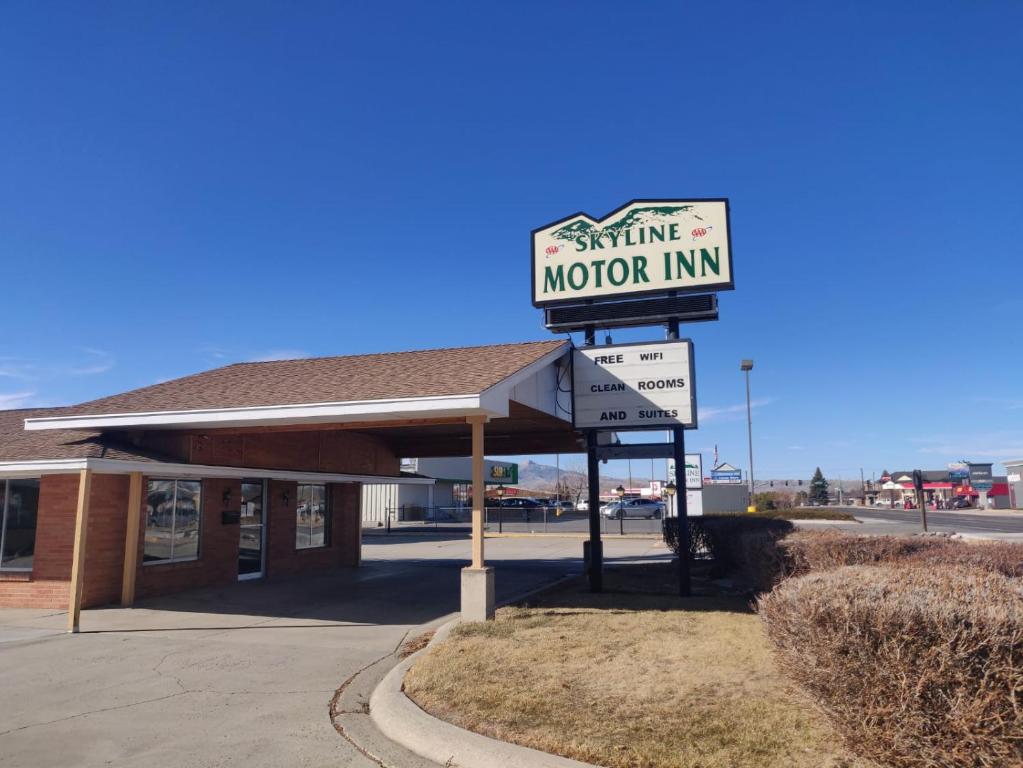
{"type": "Point", "coordinates": [998, 524]}
{"type": "Point", "coordinates": [241, 675]}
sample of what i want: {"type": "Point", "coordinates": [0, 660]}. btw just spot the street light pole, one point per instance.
{"type": "Point", "coordinates": [747, 366]}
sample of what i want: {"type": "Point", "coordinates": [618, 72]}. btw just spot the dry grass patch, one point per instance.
{"type": "Point", "coordinates": [417, 643]}
{"type": "Point", "coordinates": [626, 680]}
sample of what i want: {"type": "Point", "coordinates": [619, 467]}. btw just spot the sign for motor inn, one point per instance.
{"type": "Point", "coordinates": [646, 246]}
{"type": "Point", "coordinates": [636, 386]}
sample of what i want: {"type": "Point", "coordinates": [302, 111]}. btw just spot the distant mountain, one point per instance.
{"type": "Point", "coordinates": [543, 478]}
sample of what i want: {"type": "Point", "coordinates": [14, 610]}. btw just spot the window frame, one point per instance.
{"type": "Point", "coordinates": [4, 507]}
{"type": "Point", "coordinates": [198, 549]}
{"type": "Point", "coordinates": [327, 527]}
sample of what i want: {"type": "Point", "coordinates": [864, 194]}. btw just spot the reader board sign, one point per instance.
{"type": "Point", "coordinates": [726, 475]}
{"type": "Point", "coordinates": [634, 386]}
{"type": "Point", "coordinates": [980, 477]}
{"type": "Point", "coordinates": [646, 246]}
{"type": "Point", "coordinates": [694, 471]}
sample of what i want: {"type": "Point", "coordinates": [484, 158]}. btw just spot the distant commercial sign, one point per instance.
{"type": "Point", "coordinates": [503, 473]}
{"type": "Point", "coordinates": [644, 247]}
{"type": "Point", "coordinates": [694, 471]}
{"type": "Point", "coordinates": [981, 477]}
{"type": "Point", "coordinates": [634, 386]}
{"type": "Point", "coordinates": [726, 476]}
{"type": "Point", "coordinates": [958, 470]}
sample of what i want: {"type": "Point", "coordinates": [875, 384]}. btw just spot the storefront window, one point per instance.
{"type": "Point", "coordinates": [173, 512]}
{"type": "Point", "coordinates": [19, 503]}
{"type": "Point", "coordinates": [312, 527]}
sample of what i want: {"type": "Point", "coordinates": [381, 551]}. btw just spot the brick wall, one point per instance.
{"type": "Point", "coordinates": [104, 543]}
{"type": "Point", "coordinates": [218, 548]}
{"type": "Point", "coordinates": [317, 451]}
{"type": "Point", "coordinates": [49, 583]}
{"type": "Point", "coordinates": [283, 559]}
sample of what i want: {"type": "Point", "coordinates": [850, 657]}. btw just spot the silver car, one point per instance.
{"type": "Point", "coordinates": [646, 508]}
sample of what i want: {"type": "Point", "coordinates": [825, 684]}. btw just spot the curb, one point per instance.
{"type": "Point", "coordinates": [352, 713]}
{"type": "Point", "coordinates": [401, 720]}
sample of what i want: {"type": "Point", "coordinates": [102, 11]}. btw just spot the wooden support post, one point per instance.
{"type": "Point", "coordinates": [477, 422]}
{"type": "Point", "coordinates": [131, 539]}
{"type": "Point", "coordinates": [78, 559]}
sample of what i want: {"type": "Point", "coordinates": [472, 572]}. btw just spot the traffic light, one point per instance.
{"type": "Point", "coordinates": [918, 479]}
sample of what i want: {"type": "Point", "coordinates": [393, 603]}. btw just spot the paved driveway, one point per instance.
{"type": "Point", "coordinates": [241, 675]}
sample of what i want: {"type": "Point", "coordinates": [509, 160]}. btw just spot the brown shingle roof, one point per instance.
{"type": "Point", "coordinates": [425, 373]}
{"type": "Point", "coordinates": [16, 444]}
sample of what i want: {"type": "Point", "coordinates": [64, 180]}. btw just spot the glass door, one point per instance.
{"type": "Point", "coordinates": [251, 530]}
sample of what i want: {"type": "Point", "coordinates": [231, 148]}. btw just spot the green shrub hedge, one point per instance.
{"type": "Point", "coordinates": [731, 541]}
{"type": "Point", "coordinates": [917, 667]}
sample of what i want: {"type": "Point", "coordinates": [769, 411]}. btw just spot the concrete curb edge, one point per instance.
{"type": "Point", "coordinates": [402, 721]}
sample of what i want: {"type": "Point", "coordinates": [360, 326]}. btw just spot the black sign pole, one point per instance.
{"type": "Point", "coordinates": [594, 556]}
{"type": "Point", "coordinates": [593, 550]}
{"type": "Point", "coordinates": [683, 511]}
{"type": "Point", "coordinates": [682, 517]}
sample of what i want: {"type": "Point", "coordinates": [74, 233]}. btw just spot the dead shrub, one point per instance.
{"type": "Point", "coordinates": [916, 667]}
{"type": "Point", "coordinates": [808, 551]}
{"type": "Point", "coordinates": [1001, 557]}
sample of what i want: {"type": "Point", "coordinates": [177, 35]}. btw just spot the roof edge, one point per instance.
{"type": "Point", "coordinates": [269, 415]}
{"type": "Point", "coordinates": [174, 469]}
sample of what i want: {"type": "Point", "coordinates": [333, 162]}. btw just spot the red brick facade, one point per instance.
{"type": "Point", "coordinates": [49, 583]}
{"type": "Point", "coordinates": [341, 451]}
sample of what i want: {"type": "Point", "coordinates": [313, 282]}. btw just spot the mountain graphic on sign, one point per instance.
{"type": "Point", "coordinates": [637, 217]}
{"type": "Point", "coordinates": [573, 230]}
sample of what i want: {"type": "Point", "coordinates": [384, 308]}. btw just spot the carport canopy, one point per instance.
{"type": "Point", "coordinates": [504, 399]}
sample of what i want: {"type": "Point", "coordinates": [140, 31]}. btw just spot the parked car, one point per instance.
{"type": "Point", "coordinates": [524, 504]}
{"type": "Point", "coordinates": [583, 505]}
{"type": "Point", "coordinates": [564, 506]}
{"type": "Point", "coordinates": [962, 502]}
{"type": "Point", "coordinates": [646, 508]}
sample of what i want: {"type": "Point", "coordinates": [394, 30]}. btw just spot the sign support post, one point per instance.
{"type": "Point", "coordinates": [682, 492]}
{"type": "Point", "coordinates": [593, 550]}
{"type": "Point", "coordinates": [594, 554]}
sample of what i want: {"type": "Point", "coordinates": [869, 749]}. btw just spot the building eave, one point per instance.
{"type": "Point", "coordinates": [273, 415]}
{"type": "Point", "coordinates": [36, 468]}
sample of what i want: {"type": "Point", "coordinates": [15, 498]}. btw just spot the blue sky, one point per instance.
{"type": "Point", "coordinates": [184, 185]}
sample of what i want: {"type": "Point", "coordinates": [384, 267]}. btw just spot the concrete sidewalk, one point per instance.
{"type": "Point", "coordinates": [244, 675]}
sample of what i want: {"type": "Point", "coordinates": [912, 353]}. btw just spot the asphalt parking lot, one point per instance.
{"type": "Point", "coordinates": [241, 675]}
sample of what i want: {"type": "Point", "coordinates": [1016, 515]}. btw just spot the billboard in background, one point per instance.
{"type": "Point", "coordinates": [694, 471]}
{"type": "Point", "coordinates": [646, 246]}
{"type": "Point", "coordinates": [958, 470]}
{"type": "Point", "coordinates": [726, 476]}
{"type": "Point", "coordinates": [980, 476]}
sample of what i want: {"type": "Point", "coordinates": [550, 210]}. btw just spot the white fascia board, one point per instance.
{"type": "Point", "coordinates": [39, 467]}
{"type": "Point", "coordinates": [271, 415]}
{"type": "Point", "coordinates": [164, 469]}
{"type": "Point", "coordinates": [1013, 463]}
{"type": "Point", "coordinates": [495, 398]}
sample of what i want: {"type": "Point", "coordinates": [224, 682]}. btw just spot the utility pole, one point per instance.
{"type": "Point", "coordinates": [747, 366]}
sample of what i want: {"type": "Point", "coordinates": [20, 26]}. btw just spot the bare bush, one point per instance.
{"type": "Point", "coordinates": [916, 667]}
{"type": "Point", "coordinates": [1002, 557]}
{"type": "Point", "coordinates": [808, 551]}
